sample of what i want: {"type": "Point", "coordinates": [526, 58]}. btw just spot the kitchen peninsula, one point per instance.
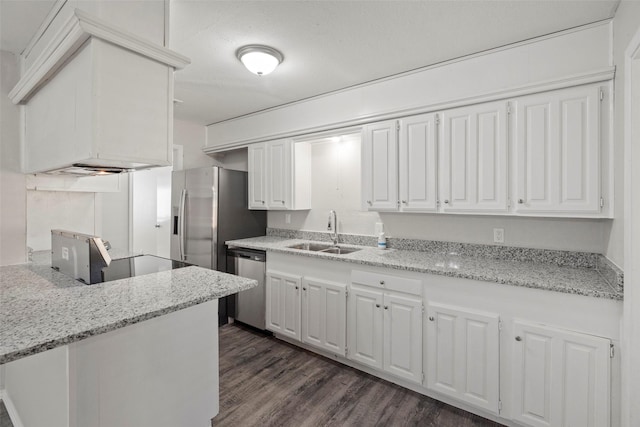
{"type": "Point", "coordinates": [140, 351]}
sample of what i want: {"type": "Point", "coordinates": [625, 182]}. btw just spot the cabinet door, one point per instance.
{"type": "Point", "coordinates": [417, 170]}
{"type": "Point", "coordinates": [283, 304]}
{"type": "Point", "coordinates": [473, 173]}
{"type": "Point", "coordinates": [257, 176]}
{"type": "Point", "coordinates": [403, 336]}
{"type": "Point", "coordinates": [380, 166]}
{"type": "Point", "coordinates": [560, 378]}
{"type": "Point", "coordinates": [365, 327]}
{"type": "Point", "coordinates": [463, 354]}
{"type": "Point", "coordinates": [557, 151]}
{"type": "Point", "coordinates": [279, 171]}
{"type": "Point", "coordinates": [324, 311]}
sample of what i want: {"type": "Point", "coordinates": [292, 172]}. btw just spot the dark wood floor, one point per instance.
{"type": "Point", "coordinates": [5, 421]}
{"type": "Point", "coordinates": [265, 382]}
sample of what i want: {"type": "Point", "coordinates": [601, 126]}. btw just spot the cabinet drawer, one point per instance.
{"type": "Point", "coordinates": [388, 282]}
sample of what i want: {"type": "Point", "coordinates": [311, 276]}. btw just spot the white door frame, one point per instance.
{"type": "Point", "coordinates": [631, 317]}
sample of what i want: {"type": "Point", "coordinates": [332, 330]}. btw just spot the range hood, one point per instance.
{"type": "Point", "coordinates": [98, 100]}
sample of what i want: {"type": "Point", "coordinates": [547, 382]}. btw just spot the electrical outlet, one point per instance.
{"type": "Point", "coordinates": [287, 218]}
{"type": "Point", "coordinates": [498, 235]}
{"type": "Point", "coordinates": [65, 253]}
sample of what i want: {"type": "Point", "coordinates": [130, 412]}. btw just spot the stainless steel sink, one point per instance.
{"type": "Point", "coordinates": [315, 247]}
{"type": "Point", "coordinates": [323, 247]}
{"type": "Point", "coordinates": [339, 250]}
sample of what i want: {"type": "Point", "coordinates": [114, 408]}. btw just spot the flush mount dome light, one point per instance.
{"type": "Point", "coordinates": [258, 59]}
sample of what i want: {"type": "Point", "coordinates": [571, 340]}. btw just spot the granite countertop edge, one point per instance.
{"type": "Point", "coordinates": [280, 245]}
{"type": "Point", "coordinates": [169, 291]}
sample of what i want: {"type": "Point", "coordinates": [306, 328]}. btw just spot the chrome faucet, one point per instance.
{"type": "Point", "coordinates": [333, 226]}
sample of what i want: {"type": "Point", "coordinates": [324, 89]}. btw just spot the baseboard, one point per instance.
{"type": "Point", "coordinates": [11, 409]}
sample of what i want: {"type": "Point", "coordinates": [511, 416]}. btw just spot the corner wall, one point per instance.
{"type": "Point", "coordinates": [625, 25]}
{"type": "Point", "coordinates": [12, 182]}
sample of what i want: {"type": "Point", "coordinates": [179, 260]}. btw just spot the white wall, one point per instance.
{"type": "Point", "coordinates": [193, 138]}
{"type": "Point", "coordinates": [336, 185]}
{"type": "Point", "coordinates": [625, 25]}
{"type": "Point", "coordinates": [12, 181]}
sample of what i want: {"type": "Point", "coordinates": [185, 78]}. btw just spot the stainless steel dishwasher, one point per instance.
{"type": "Point", "coordinates": [250, 305]}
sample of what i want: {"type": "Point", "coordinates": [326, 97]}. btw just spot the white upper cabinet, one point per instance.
{"type": "Point", "coordinates": [380, 166]}
{"type": "Point", "coordinates": [473, 160]}
{"type": "Point", "coordinates": [560, 378]}
{"type": "Point", "coordinates": [257, 164]}
{"type": "Point", "coordinates": [280, 175]}
{"type": "Point", "coordinates": [557, 152]}
{"type": "Point", "coordinates": [418, 163]}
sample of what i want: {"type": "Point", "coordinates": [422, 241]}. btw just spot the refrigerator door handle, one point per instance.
{"type": "Point", "coordinates": [181, 223]}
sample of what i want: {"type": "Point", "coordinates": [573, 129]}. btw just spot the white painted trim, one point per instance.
{"type": "Point", "coordinates": [74, 33]}
{"type": "Point", "coordinates": [43, 27]}
{"type": "Point", "coordinates": [631, 312]}
{"type": "Point", "coordinates": [11, 409]}
{"type": "Point", "coordinates": [593, 76]}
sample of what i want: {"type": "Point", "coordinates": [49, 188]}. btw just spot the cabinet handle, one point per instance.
{"type": "Point", "coordinates": [262, 201]}
{"type": "Point", "coordinates": [431, 318]}
{"type": "Point", "coordinates": [283, 202]}
{"type": "Point", "coordinates": [369, 202]}
{"type": "Point", "coordinates": [296, 288]}
{"type": "Point", "coordinates": [382, 282]}
{"type": "Point", "coordinates": [446, 202]}
{"type": "Point", "coordinates": [377, 305]}
{"type": "Point", "coordinates": [404, 202]}
{"type": "Point", "coordinates": [304, 289]}
{"type": "Point", "coordinates": [518, 338]}
{"type": "Point", "coordinates": [386, 307]}
{"type": "Point", "coordinates": [520, 201]}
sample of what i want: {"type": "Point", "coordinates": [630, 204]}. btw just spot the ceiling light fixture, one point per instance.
{"type": "Point", "coordinates": [258, 59]}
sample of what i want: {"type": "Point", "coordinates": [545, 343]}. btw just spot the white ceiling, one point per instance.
{"type": "Point", "coordinates": [327, 45]}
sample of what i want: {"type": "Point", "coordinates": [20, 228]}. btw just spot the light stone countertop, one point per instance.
{"type": "Point", "coordinates": [573, 280]}
{"type": "Point", "coordinates": [41, 309]}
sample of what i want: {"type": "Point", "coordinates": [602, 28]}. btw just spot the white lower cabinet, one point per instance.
{"type": "Point", "coordinates": [467, 337]}
{"type": "Point", "coordinates": [463, 354]}
{"type": "Point", "coordinates": [560, 378]}
{"type": "Point", "coordinates": [324, 312]}
{"type": "Point", "coordinates": [385, 331]}
{"type": "Point", "coordinates": [283, 304]}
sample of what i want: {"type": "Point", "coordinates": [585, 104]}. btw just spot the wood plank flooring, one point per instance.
{"type": "Point", "coordinates": [266, 382]}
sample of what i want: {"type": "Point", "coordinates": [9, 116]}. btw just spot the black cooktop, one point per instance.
{"type": "Point", "coordinates": [139, 265]}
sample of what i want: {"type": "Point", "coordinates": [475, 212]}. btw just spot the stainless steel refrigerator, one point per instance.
{"type": "Point", "coordinates": [210, 206]}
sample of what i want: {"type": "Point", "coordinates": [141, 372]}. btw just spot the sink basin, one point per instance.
{"type": "Point", "coordinates": [311, 246]}
{"type": "Point", "coordinates": [323, 247]}
{"type": "Point", "coordinates": [339, 250]}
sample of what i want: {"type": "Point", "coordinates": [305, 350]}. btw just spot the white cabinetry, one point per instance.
{"type": "Point", "coordinates": [324, 311]}
{"type": "Point", "coordinates": [280, 175]}
{"type": "Point", "coordinates": [380, 166]}
{"type": "Point", "coordinates": [399, 172]}
{"type": "Point", "coordinates": [463, 354]}
{"type": "Point", "coordinates": [283, 304]}
{"type": "Point", "coordinates": [385, 326]}
{"type": "Point", "coordinates": [418, 162]}
{"type": "Point", "coordinates": [473, 162]}
{"type": "Point", "coordinates": [557, 152]}
{"type": "Point", "coordinates": [560, 378]}
{"type": "Point", "coordinates": [96, 96]}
